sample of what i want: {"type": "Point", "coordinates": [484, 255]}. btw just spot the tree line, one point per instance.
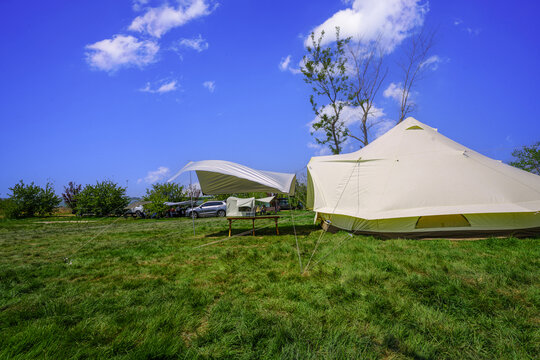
{"type": "Point", "coordinates": [104, 198]}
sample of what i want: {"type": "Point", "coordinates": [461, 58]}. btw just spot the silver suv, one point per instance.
{"type": "Point", "coordinates": [209, 208]}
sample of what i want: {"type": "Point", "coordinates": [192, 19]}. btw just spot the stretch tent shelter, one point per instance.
{"type": "Point", "coordinates": [240, 207]}
{"type": "Point", "coordinates": [244, 207]}
{"type": "Point", "coordinates": [225, 177]}
{"type": "Point", "coordinates": [415, 181]}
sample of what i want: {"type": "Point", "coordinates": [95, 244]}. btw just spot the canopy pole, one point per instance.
{"type": "Point", "coordinates": [295, 237]}
{"type": "Point", "coordinates": [191, 196]}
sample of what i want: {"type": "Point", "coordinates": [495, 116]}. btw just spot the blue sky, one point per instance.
{"type": "Point", "coordinates": [133, 90]}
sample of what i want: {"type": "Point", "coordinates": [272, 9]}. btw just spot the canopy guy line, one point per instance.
{"type": "Point", "coordinates": [295, 237]}
{"type": "Point", "coordinates": [68, 259]}
{"type": "Point", "coordinates": [333, 249]}
{"type": "Point", "coordinates": [316, 245]}
{"type": "Point", "coordinates": [191, 197]}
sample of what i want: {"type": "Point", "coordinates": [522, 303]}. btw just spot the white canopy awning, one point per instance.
{"type": "Point", "coordinates": [225, 177]}
{"type": "Point", "coordinates": [266, 199]}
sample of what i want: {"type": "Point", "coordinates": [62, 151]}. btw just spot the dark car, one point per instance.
{"type": "Point", "coordinates": [209, 208]}
{"type": "Point", "coordinates": [284, 204]}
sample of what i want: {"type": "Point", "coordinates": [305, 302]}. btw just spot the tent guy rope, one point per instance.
{"type": "Point", "coordinates": [332, 213]}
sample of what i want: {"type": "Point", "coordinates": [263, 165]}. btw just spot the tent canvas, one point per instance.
{"type": "Point", "coordinates": [265, 200]}
{"type": "Point", "coordinates": [413, 180]}
{"type": "Point", "coordinates": [225, 177]}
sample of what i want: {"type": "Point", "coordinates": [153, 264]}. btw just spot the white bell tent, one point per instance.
{"type": "Point", "coordinates": [415, 181]}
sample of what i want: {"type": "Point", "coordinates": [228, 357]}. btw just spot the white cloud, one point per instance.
{"type": "Point", "coordinates": [389, 22]}
{"type": "Point", "coordinates": [320, 150]}
{"type": "Point", "coordinates": [382, 127]}
{"type": "Point", "coordinates": [153, 176]}
{"type": "Point", "coordinates": [163, 88]}
{"type": "Point", "coordinates": [432, 62]}
{"type": "Point", "coordinates": [471, 31]}
{"type": "Point", "coordinates": [121, 51]}
{"type": "Point", "coordinates": [394, 91]}
{"type": "Point", "coordinates": [284, 65]}
{"type": "Point", "coordinates": [199, 44]}
{"type": "Point", "coordinates": [210, 85]}
{"type": "Point", "coordinates": [138, 5]}
{"type": "Point", "coordinates": [159, 20]}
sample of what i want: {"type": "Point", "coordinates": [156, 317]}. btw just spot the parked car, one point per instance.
{"type": "Point", "coordinates": [209, 208]}
{"type": "Point", "coordinates": [284, 204]}
{"type": "Point", "coordinates": [178, 209]}
{"type": "Point", "coordinates": [136, 209]}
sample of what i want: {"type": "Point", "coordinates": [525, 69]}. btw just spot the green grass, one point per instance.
{"type": "Point", "coordinates": [143, 290]}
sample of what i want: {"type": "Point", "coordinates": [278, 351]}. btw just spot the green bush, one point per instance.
{"type": "Point", "coordinates": [104, 198]}
{"type": "Point", "coordinates": [7, 209]}
{"type": "Point", "coordinates": [160, 193]}
{"type": "Point", "coordinates": [171, 191]}
{"type": "Point", "coordinates": [157, 205]}
{"type": "Point", "coordinates": [30, 200]}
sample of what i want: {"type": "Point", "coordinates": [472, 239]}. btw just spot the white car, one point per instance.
{"type": "Point", "coordinates": [136, 209]}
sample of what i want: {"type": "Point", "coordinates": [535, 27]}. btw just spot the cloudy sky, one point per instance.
{"type": "Point", "coordinates": [131, 90]}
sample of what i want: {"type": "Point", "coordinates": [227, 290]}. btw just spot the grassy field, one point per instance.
{"type": "Point", "coordinates": [142, 289]}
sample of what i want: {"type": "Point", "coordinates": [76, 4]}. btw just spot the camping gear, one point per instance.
{"type": "Point", "coordinates": [413, 181]}
{"type": "Point", "coordinates": [244, 207]}
{"type": "Point", "coordinates": [240, 207]}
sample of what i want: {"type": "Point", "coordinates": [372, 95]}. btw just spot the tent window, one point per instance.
{"type": "Point", "coordinates": [441, 221]}
{"type": "Point", "coordinates": [414, 127]}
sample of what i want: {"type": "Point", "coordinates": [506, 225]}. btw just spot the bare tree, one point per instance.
{"type": "Point", "coordinates": [193, 192]}
{"type": "Point", "coordinates": [369, 74]}
{"type": "Point", "coordinates": [324, 68]}
{"type": "Point", "coordinates": [413, 68]}
{"type": "Point", "coordinates": [70, 195]}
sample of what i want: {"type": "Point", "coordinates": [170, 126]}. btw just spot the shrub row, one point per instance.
{"type": "Point", "coordinates": [102, 199]}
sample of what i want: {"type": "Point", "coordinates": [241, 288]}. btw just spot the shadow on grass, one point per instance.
{"type": "Point", "coordinates": [268, 231]}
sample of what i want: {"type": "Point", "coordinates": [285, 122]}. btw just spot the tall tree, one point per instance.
{"type": "Point", "coordinates": [172, 192]}
{"type": "Point", "coordinates": [528, 158]}
{"type": "Point", "coordinates": [159, 194]}
{"type": "Point", "coordinates": [324, 68]}
{"type": "Point", "coordinates": [369, 74]}
{"type": "Point", "coordinates": [413, 66]}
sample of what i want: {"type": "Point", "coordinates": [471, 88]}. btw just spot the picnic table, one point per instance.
{"type": "Point", "coordinates": [252, 218]}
